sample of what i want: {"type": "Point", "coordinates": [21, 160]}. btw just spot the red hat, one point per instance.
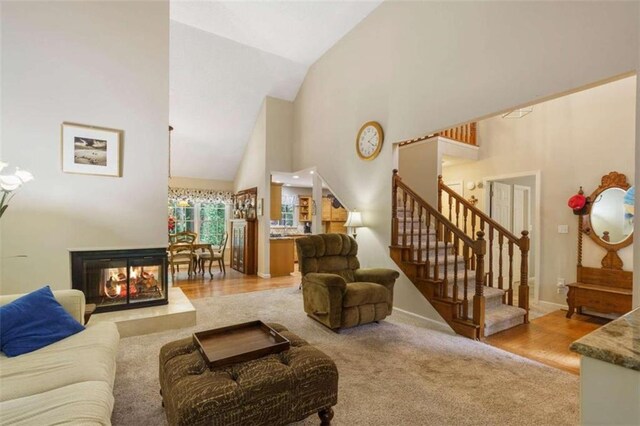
{"type": "Point", "coordinates": [577, 202]}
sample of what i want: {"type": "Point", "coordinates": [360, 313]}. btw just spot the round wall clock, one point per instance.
{"type": "Point", "coordinates": [369, 140]}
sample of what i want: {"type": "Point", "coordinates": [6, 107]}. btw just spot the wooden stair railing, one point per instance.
{"type": "Point", "coordinates": [431, 278]}
{"type": "Point", "coordinates": [472, 217]}
{"type": "Point", "coordinates": [465, 133]}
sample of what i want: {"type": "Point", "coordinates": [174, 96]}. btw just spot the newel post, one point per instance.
{"type": "Point", "coordinates": [523, 290]}
{"type": "Point", "coordinates": [478, 298]}
{"type": "Point", "coordinates": [394, 208]}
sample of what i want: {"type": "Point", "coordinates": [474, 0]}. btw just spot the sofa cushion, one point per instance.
{"type": "Point", "coordinates": [86, 356]}
{"type": "Point", "coordinates": [86, 403]}
{"type": "Point", "coordinates": [34, 321]}
{"type": "Point", "coordinates": [362, 293]}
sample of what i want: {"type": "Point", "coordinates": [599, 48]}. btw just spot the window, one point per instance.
{"type": "Point", "coordinates": [287, 215]}
{"type": "Point", "coordinates": [208, 220]}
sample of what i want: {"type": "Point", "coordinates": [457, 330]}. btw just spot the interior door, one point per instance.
{"type": "Point", "coordinates": [501, 211]}
{"type": "Point", "coordinates": [521, 221]}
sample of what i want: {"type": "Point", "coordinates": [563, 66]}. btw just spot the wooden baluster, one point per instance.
{"type": "Point", "coordinates": [412, 255]}
{"type": "Point", "coordinates": [436, 271]}
{"type": "Point", "coordinates": [445, 284]}
{"type": "Point", "coordinates": [478, 298]}
{"type": "Point", "coordinates": [440, 183]}
{"type": "Point", "coordinates": [465, 134]}
{"type": "Point", "coordinates": [473, 232]}
{"type": "Point", "coordinates": [465, 283]}
{"type": "Point", "coordinates": [420, 234]}
{"type": "Point", "coordinates": [500, 278]}
{"type": "Point", "coordinates": [523, 290]}
{"type": "Point", "coordinates": [450, 207]}
{"type": "Point", "coordinates": [473, 134]}
{"type": "Point", "coordinates": [394, 208]}
{"type": "Point", "coordinates": [490, 255]}
{"type": "Point", "coordinates": [510, 291]}
{"type": "Point", "coordinates": [465, 213]}
{"type": "Point", "coordinates": [458, 214]}
{"type": "Point", "coordinates": [456, 241]}
{"type": "Point", "coordinates": [427, 259]}
{"type": "Point", "coordinates": [404, 226]}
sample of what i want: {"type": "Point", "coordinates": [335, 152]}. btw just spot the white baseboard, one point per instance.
{"type": "Point", "coordinates": [262, 275]}
{"type": "Point", "coordinates": [436, 324]}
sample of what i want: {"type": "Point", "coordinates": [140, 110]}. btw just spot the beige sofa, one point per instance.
{"type": "Point", "coordinates": [67, 382]}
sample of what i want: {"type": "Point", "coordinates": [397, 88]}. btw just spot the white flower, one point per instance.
{"type": "Point", "coordinates": [3, 165]}
{"type": "Point", "coordinates": [10, 182]}
{"type": "Point", "coordinates": [23, 175]}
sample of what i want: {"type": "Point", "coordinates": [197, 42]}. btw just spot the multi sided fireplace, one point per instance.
{"type": "Point", "coordinates": [121, 279]}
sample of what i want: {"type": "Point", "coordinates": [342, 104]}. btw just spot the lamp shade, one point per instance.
{"type": "Point", "coordinates": [354, 220]}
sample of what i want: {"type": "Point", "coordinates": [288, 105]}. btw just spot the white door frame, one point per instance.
{"type": "Point", "coordinates": [536, 224]}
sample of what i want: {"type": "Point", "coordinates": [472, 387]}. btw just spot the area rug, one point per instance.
{"type": "Point", "coordinates": [398, 372]}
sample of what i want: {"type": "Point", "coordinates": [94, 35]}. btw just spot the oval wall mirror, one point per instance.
{"type": "Point", "coordinates": [609, 221]}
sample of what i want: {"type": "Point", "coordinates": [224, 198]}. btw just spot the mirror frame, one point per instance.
{"type": "Point", "coordinates": [611, 260]}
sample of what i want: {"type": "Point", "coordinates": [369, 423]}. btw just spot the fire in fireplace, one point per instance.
{"type": "Point", "coordinates": [121, 279]}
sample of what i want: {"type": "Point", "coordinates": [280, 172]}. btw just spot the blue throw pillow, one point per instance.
{"type": "Point", "coordinates": [34, 321]}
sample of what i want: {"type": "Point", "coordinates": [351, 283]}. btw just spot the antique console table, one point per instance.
{"type": "Point", "coordinates": [607, 289]}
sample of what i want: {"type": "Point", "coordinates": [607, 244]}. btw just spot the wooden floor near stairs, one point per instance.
{"type": "Point", "coordinates": [546, 339]}
{"type": "Point", "coordinates": [233, 282]}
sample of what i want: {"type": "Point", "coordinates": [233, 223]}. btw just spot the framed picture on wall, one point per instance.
{"type": "Point", "coordinates": [91, 150]}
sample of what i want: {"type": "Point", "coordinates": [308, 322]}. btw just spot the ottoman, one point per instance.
{"type": "Point", "coordinates": [274, 390]}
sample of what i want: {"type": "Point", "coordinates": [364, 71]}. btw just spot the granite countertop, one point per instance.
{"type": "Point", "coordinates": [617, 342]}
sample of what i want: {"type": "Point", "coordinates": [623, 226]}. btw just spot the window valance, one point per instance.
{"type": "Point", "coordinates": [200, 195]}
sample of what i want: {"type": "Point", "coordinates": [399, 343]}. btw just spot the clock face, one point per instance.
{"type": "Point", "coordinates": [369, 140]}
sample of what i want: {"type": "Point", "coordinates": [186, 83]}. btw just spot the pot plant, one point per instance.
{"type": "Point", "coordinates": [10, 183]}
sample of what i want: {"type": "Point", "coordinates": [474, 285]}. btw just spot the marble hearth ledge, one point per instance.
{"type": "Point", "coordinates": [617, 342]}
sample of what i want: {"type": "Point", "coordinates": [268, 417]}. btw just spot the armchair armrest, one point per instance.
{"type": "Point", "coordinates": [326, 280]}
{"type": "Point", "coordinates": [385, 277]}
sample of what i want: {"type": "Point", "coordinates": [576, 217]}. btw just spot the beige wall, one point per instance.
{"type": "Point", "coordinates": [269, 149]}
{"type": "Point", "coordinates": [417, 67]}
{"type": "Point", "coordinates": [573, 141]}
{"type": "Point", "coordinates": [418, 167]}
{"type": "Point", "coordinates": [195, 183]}
{"type": "Point", "coordinates": [99, 63]}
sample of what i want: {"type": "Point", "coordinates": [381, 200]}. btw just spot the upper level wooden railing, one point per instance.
{"type": "Point", "coordinates": [465, 133]}
{"type": "Point", "coordinates": [410, 213]}
{"type": "Point", "coordinates": [460, 210]}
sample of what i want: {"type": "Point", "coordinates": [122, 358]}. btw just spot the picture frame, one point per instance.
{"type": "Point", "coordinates": [91, 150]}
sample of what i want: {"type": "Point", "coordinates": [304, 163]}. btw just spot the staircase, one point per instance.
{"type": "Point", "coordinates": [446, 259]}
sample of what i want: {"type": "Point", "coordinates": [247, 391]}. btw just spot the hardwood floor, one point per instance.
{"type": "Point", "coordinates": [233, 282]}
{"type": "Point", "coordinates": [546, 339]}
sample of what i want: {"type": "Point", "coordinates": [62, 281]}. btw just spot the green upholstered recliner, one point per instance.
{"type": "Point", "coordinates": [336, 292]}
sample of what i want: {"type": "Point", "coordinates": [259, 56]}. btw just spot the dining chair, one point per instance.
{"type": "Point", "coordinates": [182, 254]}
{"type": "Point", "coordinates": [210, 254]}
{"type": "Point", "coordinates": [183, 237]}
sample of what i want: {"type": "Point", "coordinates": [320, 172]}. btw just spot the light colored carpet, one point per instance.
{"type": "Point", "coordinates": [398, 372]}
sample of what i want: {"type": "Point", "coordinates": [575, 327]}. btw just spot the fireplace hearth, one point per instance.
{"type": "Point", "coordinates": [121, 279]}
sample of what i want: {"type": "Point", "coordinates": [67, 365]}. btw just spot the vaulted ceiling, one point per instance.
{"type": "Point", "coordinates": [227, 56]}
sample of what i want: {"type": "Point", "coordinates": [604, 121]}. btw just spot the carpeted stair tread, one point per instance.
{"type": "Point", "coordinates": [501, 318]}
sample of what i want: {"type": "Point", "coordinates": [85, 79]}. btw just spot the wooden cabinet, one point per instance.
{"type": "Point", "coordinates": [304, 212]}
{"type": "Point", "coordinates": [326, 209]}
{"type": "Point", "coordinates": [339, 214]}
{"type": "Point", "coordinates": [281, 257]}
{"type": "Point", "coordinates": [276, 201]}
{"type": "Point", "coordinates": [244, 246]}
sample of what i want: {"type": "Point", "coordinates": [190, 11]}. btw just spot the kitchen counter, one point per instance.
{"type": "Point", "coordinates": [281, 259]}
{"type": "Point", "coordinates": [617, 342]}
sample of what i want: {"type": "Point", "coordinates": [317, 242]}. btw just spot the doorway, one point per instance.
{"type": "Point", "coordinates": [514, 202]}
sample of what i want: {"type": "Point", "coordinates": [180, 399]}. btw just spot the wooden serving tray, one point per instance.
{"type": "Point", "coordinates": [239, 343]}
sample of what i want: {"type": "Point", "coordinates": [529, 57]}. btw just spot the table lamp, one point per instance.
{"type": "Point", "coordinates": [354, 221]}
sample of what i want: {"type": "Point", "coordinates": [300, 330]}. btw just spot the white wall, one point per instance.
{"type": "Point", "coordinates": [418, 168]}
{"type": "Point", "coordinates": [573, 140]}
{"type": "Point", "coordinates": [196, 183]}
{"type": "Point", "coordinates": [418, 67]}
{"type": "Point", "coordinates": [98, 63]}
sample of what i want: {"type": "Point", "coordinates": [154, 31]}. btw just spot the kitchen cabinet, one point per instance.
{"type": "Point", "coordinates": [281, 256]}
{"type": "Point", "coordinates": [339, 214]}
{"type": "Point", "coordinates": [244, 246]}
{"type": "Point", "coordinates": [276, 201]}
{"type": "Point", "coordinates": [326, 209]}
